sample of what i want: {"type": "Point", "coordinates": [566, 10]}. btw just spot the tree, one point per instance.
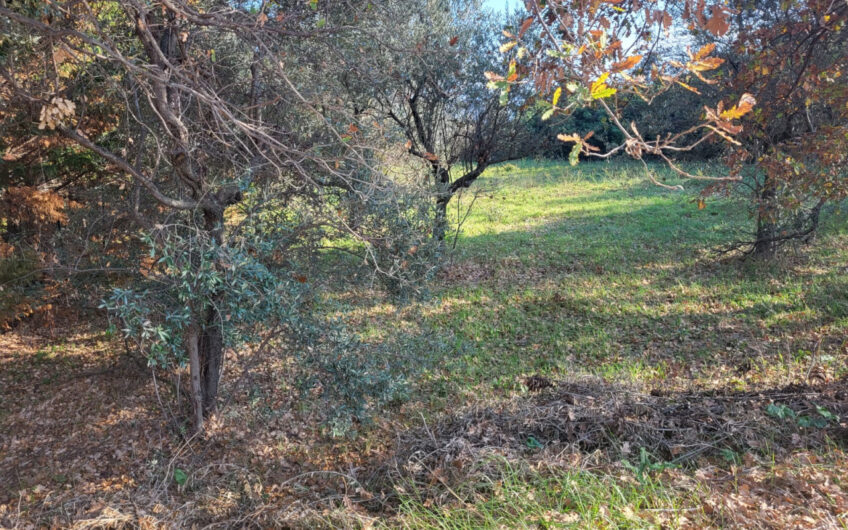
{"type": "Point", "coordinates": [792, 56]}
{"type": "Point", "coordinates": [605, 53]}
{"type": "Point", "coordinates": [425, 77]}
{"type": "Point", "coordinates": [197, 109]}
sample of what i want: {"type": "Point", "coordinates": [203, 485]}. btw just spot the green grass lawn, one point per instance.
{"type": "Point", "coordinates": [594, 271]}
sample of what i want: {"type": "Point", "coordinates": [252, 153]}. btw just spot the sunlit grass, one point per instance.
{"type": "Point", "coordinates": [593, 270]}
{"type": "Point", "coordinates": [562, 498]}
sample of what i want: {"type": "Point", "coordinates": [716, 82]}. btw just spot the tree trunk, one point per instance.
{"type": "Point", "coordinates": [196, 385]}
{"type": "Point", "coordinates": [211, 349]}
{"type": "Point", "coordinates": [443, 197]}
{"type": "Point", "coordinates": [766, 239]}
{"type": "Point", "coordinates": [211, 339]}
{"type": "Point", "coordinates": [440, 225]}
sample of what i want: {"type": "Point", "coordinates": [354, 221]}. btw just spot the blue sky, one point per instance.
{"type": "Point", "coordinates": [500, 4]}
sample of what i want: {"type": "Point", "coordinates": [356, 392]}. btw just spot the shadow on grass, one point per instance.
{"type": "Point", "coordinates": [590, 416]}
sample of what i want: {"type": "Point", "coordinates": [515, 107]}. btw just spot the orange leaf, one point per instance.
{"type": "Point", "coordinates": [525, 26]}
{"type": "Point", "coordinates": [570, 138]}
{"type": "Point", "coordinates": [709, 63]}
{"type": "Point", "coordinates": [453, 41]}
{"type": "Point", "coordinates": [718, 24]}
{"type": "Point", "coordinates": [626, 64]}
{"type": "Point", "coordinates": [704, 52]}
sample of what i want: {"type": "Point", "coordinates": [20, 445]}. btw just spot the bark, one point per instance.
{"type": "Point", "coordinates": [766, 241]}
{"type": "Point", "coordinates": [443, 197]}
{"type": "Point", "coordinates": [447, 189]}
{"type": "Point", "coordinates": [440, 224]}
{"type": "Point", "coordinates": [211, 350]}
{"type": "Point", "coordinates": [194, 366]}
{"type": "Point", "coordinates": [211, 339]}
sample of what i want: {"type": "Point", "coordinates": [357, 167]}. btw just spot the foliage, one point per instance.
{"type": "Point", "coordinates": [424, 78]}
{"type": "Point", "coordinates": [234, 167]}
{"type": "Point", "coordinates": [580, 54]}
{"type": "Point", "coordinates": [793, 57]}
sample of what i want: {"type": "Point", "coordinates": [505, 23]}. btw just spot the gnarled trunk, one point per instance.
{"type": "Point", "coordinates": [440, 224]}
{"type": "Point", "coordinates": [205, 348]}
{"type": "Point", "coordinates": [443, 197]}
{"type": "Point", "coordinates": [205, 338]}
{"type": "Point", "coordinates": [191, 342]}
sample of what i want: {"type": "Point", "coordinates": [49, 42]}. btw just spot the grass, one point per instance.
{"type": "Point", "coordinates": [518, 498]}
{"type": "Point", "coordinates": [563, 272]}
{"type": "Point", "coordinates": [596, 270]}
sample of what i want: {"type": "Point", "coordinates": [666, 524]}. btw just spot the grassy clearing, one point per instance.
{"type": "Point", "coordinates": [594, 270]}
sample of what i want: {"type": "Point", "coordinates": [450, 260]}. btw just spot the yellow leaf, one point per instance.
{"type": "Point", "coordinates": [688, 87]}
{"type": "Point", "coordinates": [704, 52]}
{"type": "Point", "coordinates": [600, 82]}
{"type": "Point", "coordinates": [709, 63]}
{"type": "Point", "coordinates": [746, 103]}
{"type": "Point", "coordinates": [557, 94]}
{"type": "Point", "coordinates": [570, 138]}
{"type": "Point", "coordinates": [600, 89]}
{"type": "Point", "coordinates": [508, 46]}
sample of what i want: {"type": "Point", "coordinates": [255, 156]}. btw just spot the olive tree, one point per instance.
{"type": "Point", "coordinates": [424, 76]}
{"type": "Point", "coordinates": [228, 163]}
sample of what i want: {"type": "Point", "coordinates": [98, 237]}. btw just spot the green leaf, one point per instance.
{"type": "Point", "coordinates": [574, 156]}
{"type": "Point", "coordinates": [547, 114]}
{"type": "Point", "coordinates": [826, 414]}
{"type": "Point", "coordinates": [779, 411]}
{"type": "Point", "coordinates": [504, 99]}
{"type": "Point", "coordinates": [180, 476]}
{"type": "Point", "coordinates": [809, 422]}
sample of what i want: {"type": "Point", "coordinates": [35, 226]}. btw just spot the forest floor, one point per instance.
{"type": "Point", "coordinates": [585, 359]}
